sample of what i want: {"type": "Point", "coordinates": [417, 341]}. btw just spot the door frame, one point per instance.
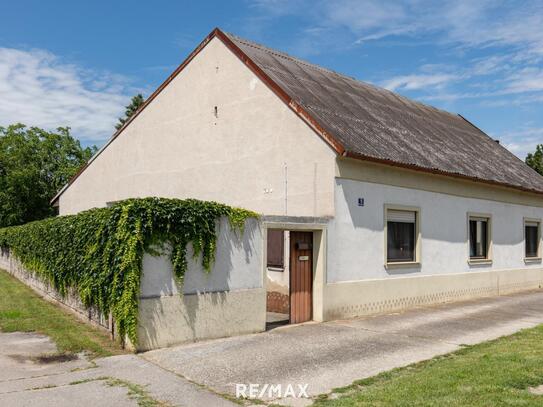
{"type": "Point", "coordinates": [319, 259]}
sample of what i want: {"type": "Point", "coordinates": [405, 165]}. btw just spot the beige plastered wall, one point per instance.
{"type": "Point", "coordinates": [254, 153]}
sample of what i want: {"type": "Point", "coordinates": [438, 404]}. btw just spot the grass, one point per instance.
{"type": "Point", "coordinates": [135, 391]}
{"type": "Point", "coordinates": [22, 310]}
{"type": "Point", "coordinates": [495, 373]}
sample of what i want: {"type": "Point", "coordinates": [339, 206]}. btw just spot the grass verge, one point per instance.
{"type": "Point", "coordinates": [494, 373]}
{"type": "Point", "coordinates": [22, 310]}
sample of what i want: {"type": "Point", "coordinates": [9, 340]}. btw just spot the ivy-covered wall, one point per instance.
{"type": "Point", "coordinates": [99, 252]}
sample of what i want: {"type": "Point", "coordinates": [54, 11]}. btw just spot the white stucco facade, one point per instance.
{"type": "Point", "coordinates": [357, 238]}
{"type": "Point", "coordinates": [359, 282]}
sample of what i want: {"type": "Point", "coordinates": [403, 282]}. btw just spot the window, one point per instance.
{"type": "Point", "coordinates": [275, 249]}
{"type": "Point", "coordinates": [402, 236]}
{"type": "Point", "coordinates": [479, 238]}
{"type": "Point", "coordinates": [532, 237]}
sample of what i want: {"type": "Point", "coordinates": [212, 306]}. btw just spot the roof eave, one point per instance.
{"type": "Point", "coordinates": [362, 157]}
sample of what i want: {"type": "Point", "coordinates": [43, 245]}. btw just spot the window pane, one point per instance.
{"type": "Point", "coordinates": [531, 237]}
{"type": "Point", "coordinates": [275, 248]}
{"type": "Point", "coordinates": [400, 241]}
{"type": "Point", "coordinates": [478, 239]}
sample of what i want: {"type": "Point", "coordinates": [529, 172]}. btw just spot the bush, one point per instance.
{"type": "Point", "coordinates": [99, 252]}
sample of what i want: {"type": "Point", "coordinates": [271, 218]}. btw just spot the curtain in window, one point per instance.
{"type": "Point", "coordinates": [478, 239]}
{"type": "Point", "coordinates": [531, 239]}
{"type": "Point", "coordinates": [400, 241]}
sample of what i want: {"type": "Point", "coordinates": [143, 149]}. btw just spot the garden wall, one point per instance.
{"type": "Point", "coordinates": [228, 300]}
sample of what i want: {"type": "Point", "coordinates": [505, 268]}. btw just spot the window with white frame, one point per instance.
{"type": "Point", "coordinates": [479, 237]}
{"type": "Point", "coordinates": [402, 231]}
{"type": "Point", "coordinates": [532, 238]}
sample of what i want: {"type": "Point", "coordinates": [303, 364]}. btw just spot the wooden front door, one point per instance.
{"type": "Point", "coordinates": [301, 276]}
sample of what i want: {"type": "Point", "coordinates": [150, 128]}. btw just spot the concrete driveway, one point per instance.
{"type": "Point", "coordinates": [333, 354]}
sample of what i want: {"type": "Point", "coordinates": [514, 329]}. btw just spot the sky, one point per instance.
{"type": "Point", "coordinates": [77, 63]}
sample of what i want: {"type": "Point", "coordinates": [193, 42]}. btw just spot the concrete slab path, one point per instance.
{"type": "Point", "coordinates": [27, 382]}
{"type": "Point", "coordinates": [334, 354]}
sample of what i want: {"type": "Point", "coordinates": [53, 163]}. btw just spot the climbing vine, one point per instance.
{"type": "Point", "coordinates": [99, 252]}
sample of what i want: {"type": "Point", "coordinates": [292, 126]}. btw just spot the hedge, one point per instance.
{"type": "Point", "coordinates": [99, 252]}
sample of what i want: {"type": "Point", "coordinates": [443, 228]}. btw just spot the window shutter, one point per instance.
{"type": "Point", "coordinates": [401, 216]}
{"type": "Point", "coordinates": [275, 248]}
{"type": "Point", "coordinates": [532, 224]}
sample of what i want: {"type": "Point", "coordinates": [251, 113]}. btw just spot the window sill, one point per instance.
{"type": "Point", "coordinates": [276, 269]}
{"type": "Point", "coordinates": [402, 264]}
{"type": "Point", "coordinates": [532, 260]}
{"type": "Point", "coordinates": [479, 262]}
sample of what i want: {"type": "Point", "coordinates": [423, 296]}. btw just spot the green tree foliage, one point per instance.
{"type": "Point", "coordinates": [132, 108]}
{"type": "Point", "coordinates": [535, 160]}
{"type": "Point", "coordinates": [99, 252]}
{"type": "Point", "coordinates": [34, 165]}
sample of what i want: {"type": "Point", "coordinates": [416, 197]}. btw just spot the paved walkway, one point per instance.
{"type": "Point", "coordinates": [323, 356]}
{"type": "Point", "coordinates": [334, 354]}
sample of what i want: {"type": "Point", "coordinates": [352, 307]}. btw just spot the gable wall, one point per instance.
{"type": "Point", "coordinates": [176, 147]}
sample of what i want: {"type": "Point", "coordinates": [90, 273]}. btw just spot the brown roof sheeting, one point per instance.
{"type": "Point", "coordinates": [372, 123]}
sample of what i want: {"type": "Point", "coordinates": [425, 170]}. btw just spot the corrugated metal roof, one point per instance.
{"type": "Point", "coordinates": [374, 123]}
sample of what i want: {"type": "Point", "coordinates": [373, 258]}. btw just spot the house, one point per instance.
{"type": "Point", "coordinates": [370, 202]}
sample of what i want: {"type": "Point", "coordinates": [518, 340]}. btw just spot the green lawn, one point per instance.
{"type": "Point", "coordinates": [495, 373]}
{"type": "Point", "coordinates": [23, 310]}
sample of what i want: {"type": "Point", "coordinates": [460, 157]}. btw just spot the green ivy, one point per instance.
{"type": "Point", "coordinates": [99, 252]}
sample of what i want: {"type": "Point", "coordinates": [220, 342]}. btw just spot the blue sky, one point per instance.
{"type": "Point", "coordinates": [78, 63]}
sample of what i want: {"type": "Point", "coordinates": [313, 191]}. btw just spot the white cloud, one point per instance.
{"type": "Point", "coordinates": [415, 82]}
{"type": "Point", "coordinates": [468, 23]}
{"type": "Point", "coordinates": [39, 89]}
{"type": "Point", "coordinates": [525, 80]}
{"type": "Point", "coordinates": [523, 141]}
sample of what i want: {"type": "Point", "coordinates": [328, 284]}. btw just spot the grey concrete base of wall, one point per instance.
{"type": "Point", "coordinates": [70, 301]}
{"type": "Point", "coordinates": [167, 321]}
{"type": "Point", "coordinates": [352, 299]}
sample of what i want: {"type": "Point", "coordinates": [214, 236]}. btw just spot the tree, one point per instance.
{"type": "Point", "coordinates": [132, 108]}
{"type": "Point", "coordinates": [34, 165]}
{"type": "Point", "coordinates": [535, 160]}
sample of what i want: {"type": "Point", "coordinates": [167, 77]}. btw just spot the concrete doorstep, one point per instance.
{"type": "Point", "coordinates": [275, 366]}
